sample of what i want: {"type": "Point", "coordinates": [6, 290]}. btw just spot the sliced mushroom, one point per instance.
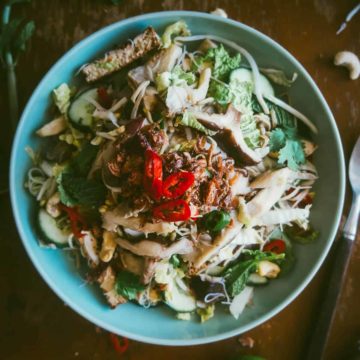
{"type": "Point", "coordinates": [273, 185]}
{"type": "Point", "coordinates": [165, 60]}
{"type": "Point", "coordinates": [150, 99]}
{"type": "Point", "coordinates": [112, 219]}
{"type": "Point", "coordinates": [229, 134]}
{"type": "Point", "coordinates": [156, 250]}
{"type": "Point", "coordinates": [206, 45]}
{"type": "Point", "coordinates": [199, 94]}
{"type": "Point", "coordinates": [142, 266]}
{"type": "Point", "coordinates": [106, 281]}
{"type": "Point", "coordinates": [137, 76]}
{"type": "Point", "coordinates": [54, 127]}
{"type": "Point", "coordinates": [206, 252]}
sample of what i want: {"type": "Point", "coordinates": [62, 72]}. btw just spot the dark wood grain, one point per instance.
{"type": "Point", "coordinates": [35, 324]}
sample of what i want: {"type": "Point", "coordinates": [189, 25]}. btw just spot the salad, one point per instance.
{"type": "Point", "coordinates": [176, 172]}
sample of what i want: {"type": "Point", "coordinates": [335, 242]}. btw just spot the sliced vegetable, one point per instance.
{"type": "Point", "coordinates": [153, 174]}
{"type": "Point", "coordinates": [77, 222]}
{"type": "Point", "coordinates": [176, 29]}
{"type": "Point", "coordinates": [176, 184]}
{"type": "Point", "coordinates": [237, 275]}
{"type": "Point", "coordinates": [300, 235]}
{"type": "Point", "coordinates": [276, 246]}
{"type": "Point", "coordinates": [216, 220]}
{"type": "Point", "coordinates": [128, 285]}
{"type": "Point", "coordinates": [255, 280]}
{"type": "Point", "coordinates": [61, 96]}
{"type": "Point", "coordinates": [175, 210]}
{"type": "Point", "coordinates": [244, 75]}
{"type": "Point", "coordinates": [178, 299]}
{"type": "Point", "coordinates": [81, 109]}
{"type": "Point", "coordinates": [50, 230]}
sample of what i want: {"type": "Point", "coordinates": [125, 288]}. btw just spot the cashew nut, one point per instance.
{"type": "Point", "coordinates": [350, 61]}
{"type": "Point", "coordinates": [108, 246]}
{"type": "Point", "coordinates": [52, 207]}
{"type": "Point", "coordinates": [268, 269]}
{"type": "Point", "coordinates": [219, 12]}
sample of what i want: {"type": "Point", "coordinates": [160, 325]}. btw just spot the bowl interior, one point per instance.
{"type": "Point", "coordinates": [159, 325]}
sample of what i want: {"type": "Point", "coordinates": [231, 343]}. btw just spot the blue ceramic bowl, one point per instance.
{"type": "Point", "coordinates": [158, 325]}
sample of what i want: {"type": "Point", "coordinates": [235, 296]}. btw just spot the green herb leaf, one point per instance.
{"type": "Point", "coordinates": [80, 191]}
{"type": "Point", "coordinates": [176, 29]}
{"type": "Point", "coordinates": [298, 234]}
{"type": "Point", "coordinates": [216, 220]}
{"type": "Point", "coordinates": [189, 120]}
{"type": "Point", "coordinates": [237, 275]}
{"type": "Point", "coordinates": [175, 261]}
{"type": "Point", "coordinates": [128, 285]}
{"type": "Point", "coordinates": [222, 62]}
{"type": "Point", "coordinates": [292, 154]}
{"type": "Point", "coordinates": [81, 164]}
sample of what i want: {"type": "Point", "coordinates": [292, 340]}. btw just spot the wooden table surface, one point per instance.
{"type": "Point", "coordinates": [35, 324]}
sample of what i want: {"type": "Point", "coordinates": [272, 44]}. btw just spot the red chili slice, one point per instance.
{"type": "Point", "coordinates": [77, 222]}
{"type": "Point", "coordinates": [105, 99]}
{"type": "Point", "coordinates": [153, 174]}
{"type": "Point", "coordinates": [119, 347]}
{"type": "Point", "coordinates": [176, 184]}
{"type": "Point", "coordinates": [174, 210]}
{"type": "Point", "coordinates": [276, 246]}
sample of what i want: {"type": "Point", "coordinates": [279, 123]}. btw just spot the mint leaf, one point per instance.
{"type": "Point", "coordinates": [81, 164]}
{"type": "Point", "coordinates": [80, 191]}
{"type": "Point", "coordinates": [237, 275]}
{"type": "Point", "coordinates": [128, 285]}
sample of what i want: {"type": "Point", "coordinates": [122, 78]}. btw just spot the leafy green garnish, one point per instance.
{"type": "Point", "coordinates": [221, 61]}
{"type": "Point", "coordinates": [176, 29]}
{"type": "Point", "coordinates": [298, 234]}
{"type": "Point", "coordinates": [61, 96]}
{"type": "Point", "coordinates": [128, 285]}
{"type": "Point", "coordinates": [237, 275]}
{"type": "Point", "coordinates": [80, 191]}
{"type": "Point", "coordinates": [176, 77]}
{"type": "Point", "coordinates": [216, 220]}
{"type": "Point", "coordinates": [189, 120]}
{"type": "Point", "coordinates": [286, 142]}
{"type": "Point", "coordinates": [73, 185]}
{"type": "Point", "coordinates": [175, 261]}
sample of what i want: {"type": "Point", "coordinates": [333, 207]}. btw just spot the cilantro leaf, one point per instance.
{"type": "Point", "coordinates": [237, 275]}
{"type": "Point", "coordinates": [292, 154]}
{"type": "Point", "coordinates": [128, 285]}
{"type": "Point", "coordinates": [277, 139]}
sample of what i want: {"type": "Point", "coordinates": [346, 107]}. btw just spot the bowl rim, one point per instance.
{"type": "Point", "coordinates": [148, 339]}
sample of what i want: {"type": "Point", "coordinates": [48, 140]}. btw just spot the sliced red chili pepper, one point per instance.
{"type": "Point", "coordinates": [176, 184]}
{"type": "Point", "coordinates": [120, 348]}
{"type": "Point", "coordinates": [153, 174]}
{"type": "Point", "coordinates": [77, 222]}
{"type": "Point", "coordinates": [174, 210]}
{"type": "Point", "coordinates": [276, 246]}
{"type": "Point", "coordinates": [105, 99]}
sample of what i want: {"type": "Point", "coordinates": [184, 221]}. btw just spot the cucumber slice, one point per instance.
{"type": "Point", "coordinates": [50, 230]}
{"type": "Point", "coordinates": [245, 75]}
{"type": "Point", "coordinates": [81, 110]}
{"type": "Point", "coordinates": [255, 279]}
{"type": "Point", "coordinates": [178, 299]}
